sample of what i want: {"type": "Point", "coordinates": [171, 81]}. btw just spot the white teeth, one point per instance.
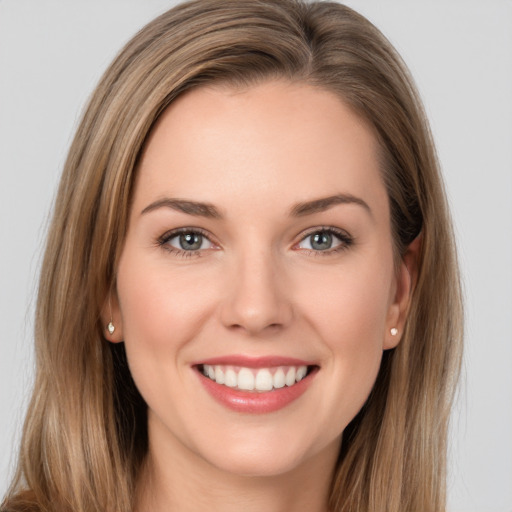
{"type": "Point", "coordinates": [219, 375]}
{"type": "Point", "coordinates": [251, 379]}
{"type": "Point", "coordinates": [290, 377]}
{"type": "Point", "coordinates": [231, 379]}
{"type": "Point", "coordinates": [264, 380]}
{"type": "Point", "coordinates": [245, 379]}
{"type": "Point", "coordinates": [279, 381]}
{"type": "Point", "coordinates": [301, 373]}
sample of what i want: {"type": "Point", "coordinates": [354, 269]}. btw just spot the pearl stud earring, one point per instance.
{"type": "Point", "coordinates": [393, 331]}
{"type": "Point", "coordinates": [110, 327]}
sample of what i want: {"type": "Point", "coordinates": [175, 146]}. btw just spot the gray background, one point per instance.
{"type": "Point", "coordinates": [460, 52]}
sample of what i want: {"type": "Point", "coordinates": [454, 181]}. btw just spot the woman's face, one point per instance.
{"type": "Point", "coordinates": [258, 252]}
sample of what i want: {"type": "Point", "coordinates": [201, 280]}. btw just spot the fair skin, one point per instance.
{"type": "Point", "coordinates": [260, 268]}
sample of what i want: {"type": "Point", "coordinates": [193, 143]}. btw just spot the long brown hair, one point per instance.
{"type": "Point", "coordinates": [85, 438]}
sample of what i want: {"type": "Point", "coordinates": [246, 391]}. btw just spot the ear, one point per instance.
{"type": "Point", "coordinates": [406, 278]}
{"type": "Point", "coordinates": [111, 321]}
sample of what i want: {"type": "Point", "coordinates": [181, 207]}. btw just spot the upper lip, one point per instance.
{"type": "Point", "coordinates": [253, 362]}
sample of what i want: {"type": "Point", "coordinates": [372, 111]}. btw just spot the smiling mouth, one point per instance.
{"type": "Point", "coordinates": [257, 380]}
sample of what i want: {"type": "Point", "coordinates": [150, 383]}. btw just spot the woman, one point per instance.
{"type": "Point", "coordinates": [249, 296]}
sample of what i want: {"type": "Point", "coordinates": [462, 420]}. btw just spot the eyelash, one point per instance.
{"type": "Point", "coordinates": [163, 241]}
{"type": "Point", "coordinates": [346, 241]}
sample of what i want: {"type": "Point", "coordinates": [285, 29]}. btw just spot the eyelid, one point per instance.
{"type": "Point", "coordinates": [162, 241]}
{"type": "Point", "coordinates": [178, 231]}
{"type": "Point", "coordinates": [346, 240]}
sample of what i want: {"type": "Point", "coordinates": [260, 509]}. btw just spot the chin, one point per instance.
{"type": "Point", "coordinates": [264, 455]}
{"type": "Point", "coordinates": [258, 464]}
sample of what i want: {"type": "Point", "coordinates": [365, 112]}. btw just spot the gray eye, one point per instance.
{"type": "Point", "coordinates": [321, 241]}
{"type": "Point", "coordinates": [189, 241]}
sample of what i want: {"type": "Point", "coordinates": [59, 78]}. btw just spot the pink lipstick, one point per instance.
{"type": "Point", "coordinates": [255, 385]}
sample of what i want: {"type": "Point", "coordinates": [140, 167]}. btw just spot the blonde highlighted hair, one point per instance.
{"type": "Point", "coordinates": [85, 438]}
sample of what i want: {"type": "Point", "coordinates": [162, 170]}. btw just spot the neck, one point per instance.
{"type": "Point", "coordinates": [174, 478]}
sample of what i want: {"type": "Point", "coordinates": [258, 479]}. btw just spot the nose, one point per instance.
{"type": "Point", "coordinates": [258, 298]}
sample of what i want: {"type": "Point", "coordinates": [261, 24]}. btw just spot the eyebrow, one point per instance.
{"type": "Point", "coordinates": [185, 206]}
{"type": "Point", "coordinates": [324, 203]}
{"type": "Point", "coordinates": [209, 211]}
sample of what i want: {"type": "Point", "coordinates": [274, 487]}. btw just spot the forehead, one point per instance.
{"type": "Point", "coordinates": [292, 140]}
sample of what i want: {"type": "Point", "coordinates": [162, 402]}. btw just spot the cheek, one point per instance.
{"type": "Point", "coordinates": [350, 305]}
{"type": "Point", "coordinates": [162, 310]}
{"type": "Point", "coordinates": [349, 309]}
{"type": "Point", "coordinates": [159, 302]}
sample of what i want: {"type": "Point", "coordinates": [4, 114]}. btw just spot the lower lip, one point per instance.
{"type": "Point", "coordinates": [256, 402]}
